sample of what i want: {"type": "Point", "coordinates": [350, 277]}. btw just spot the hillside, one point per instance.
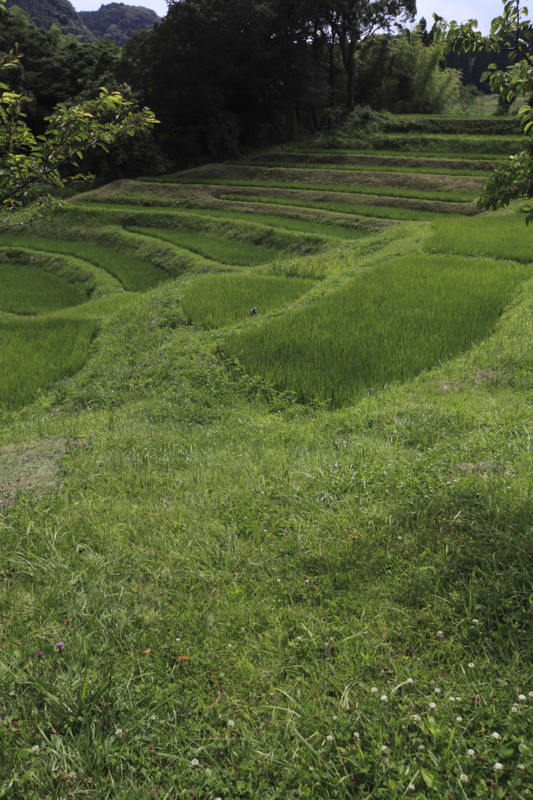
{"type": "Point", "coordinates": [45, 13]}
{"type": "Point", "coordinates": [116, 22]}
{"type": "Point", "coordinates": [280, 554]}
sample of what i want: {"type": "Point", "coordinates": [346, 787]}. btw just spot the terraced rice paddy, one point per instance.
{"type": "Point", "coordinates": [216, 589]}
{"type": "Point", "coordinates": [266, 216]}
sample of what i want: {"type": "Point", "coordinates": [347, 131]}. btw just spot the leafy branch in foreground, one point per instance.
{"type": "Point", "coordinates": [31, 166]}
{"type": "Point", "coordinates": [509, 33]}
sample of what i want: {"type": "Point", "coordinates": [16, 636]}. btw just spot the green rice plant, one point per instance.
{"type": "Point", "coordinates": [36, 353]}
{"type": "Point", "coordinates": [364, 209]}
{"type": "Point", "coordinates": [216, 248]}
{"type": "Point", "coordinates": [499, 235]}
{"type": "Point", "coordinates": [435, 155]}
{"type": "Point", "coordinates": [29, 290]}
{"type": "Point", "coordinates": [214, 301]}
{"type": "Point", "coordinates": [135, 274]}
{"type": "Point", "coordinates": [388, 324]}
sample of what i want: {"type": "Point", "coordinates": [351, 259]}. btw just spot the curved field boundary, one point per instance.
{"type": "Point", "coordinates": [95, 281]}
{"type": "Point", "coordinates": [344, 200]}
{"type": "Point", "coordinates": [352, 180]}
{"type": "Point", "coordinates": [403, 163]}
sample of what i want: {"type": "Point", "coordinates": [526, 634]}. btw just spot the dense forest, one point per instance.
{"type": "Point", "coordinates": [117, 21]}
{"type": "Point", "coordinates": [224, 76]}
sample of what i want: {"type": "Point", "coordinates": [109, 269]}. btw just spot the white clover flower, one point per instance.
{"type": "Point", "coordinates": [421, 747]}
{"type": "Point", "coordinates": [356, 735]}
{"type": "Point", "coordinates": [514, 709]}
{"type": "Point", "coordinates": [416, 717]}
{"type": "Point", "coordinates": [411, 787]}
{"type": "Point", "coordinates": [521, 698]}
{"type": "Point", "coordinates": [463, 778]}
{"type": "Point", "coordinates": [119, 732]}
{"type": "Point", "coordinates": [452, 699]}
{"type": "Point", "coordinates": [384, 698]}
{"type": "Point", "coordinates": [521, 767]}
{"type": "Point", "coordinates": [457, 699]}
{"type": "Point", "coordinates": [195, 762]}
{"type": "Point", "coordinates": [334, 718]}
{"type": "Point", "coordinates": [471, 665]}
{"type": "Point", "coordinates": [475, 621]}
{"type": "Point", "coordinates": [384, 748]}
{"type": "Point", "coordinates": [432, 706]}
{"type": "Point", "coordinates": [498, 767]}
{"type": "Point", "coordinates": [374, 690]}
{"type": "Point", "coordinates": [530, 694]}
{"type": "Point", "coordinates": [35, 748]}
{"type": "Point", "coordinates": [471, 752]}
{"type": "Point", "coordinates": [409, 680]}
{"type": "Point", "coordinates": [330, 738]}
{"type": "Point", "coordinates": [440, 634]}
{"type": "Point", "coordinates": [437, 690]}
{"type": "Point", "coordinates": [495, 735]}
{"type": "Point", "coordinates": [230, 723]}
{"type": "Point", "coordinates": [458, 719]}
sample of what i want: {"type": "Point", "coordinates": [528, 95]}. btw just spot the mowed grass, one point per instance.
{"type": "Point", "coordinates": [135, 274]}
{"type": "Point", "coordinates": [36, 353]}
{"type": "Point", "coordinates": [30, 290]}
{"type": "Point", "coordinates": [388, 324]}
{"type": "Point", "coordinates": [442, 195]}
{"type": "Point", "coordinates": [216, 248]}
{"type": "Point", "coordinates": [362, 209]}
{"type": "Point", "coordinates": [500, 236]}
{"type": "Point", "coordinates": [214, 301]}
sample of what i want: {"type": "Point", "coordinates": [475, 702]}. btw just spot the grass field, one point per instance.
{"type": "Point", "coordinates": [134, 273]}
{"type": "Point", "coordinates": [387, 324]}
{"type": "Point", "coordinates": [216, 248]}
{"type": "Point", "coordinates": [213, 587]}
{"type": "Point", "coordinates": [219, 300]}
{"type": "Point", "coordinates": [27, 290]}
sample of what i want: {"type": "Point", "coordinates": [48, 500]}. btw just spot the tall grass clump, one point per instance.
{"type": "Point", "coordinates": [29, 290]}
{"type": "Point", "coordinates": [388, 324]}
{"type": "Point", "coordinates": [36, 353]}
{"type": "Point", "coordinates": [213, 301]}
{"type": "Point", "coordinates": [501, 236]}
{"type": "Point", "coordinates": [216, 248]}
{"type": "Point", "coordinates": [135, 274]}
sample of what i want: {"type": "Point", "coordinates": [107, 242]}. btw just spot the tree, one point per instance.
{"type": "Point", "coordinates": [510, 32]}
{"type": "Point", "coordinates": [33, 165]}
{"type": "Point", "coordinates": [346, 24]}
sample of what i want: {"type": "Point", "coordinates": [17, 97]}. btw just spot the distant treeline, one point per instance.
{"type": "Point", "coordinates": [224, 75]}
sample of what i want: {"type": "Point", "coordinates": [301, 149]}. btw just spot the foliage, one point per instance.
{"type": "Point", "coordinates": [510, 32]}
{"type": "Point", "coordinates": [33, 165]}
{"type": "Point", "coordinates": [116, 22]}
{"type": "Point", "coordinates": [46, 13]}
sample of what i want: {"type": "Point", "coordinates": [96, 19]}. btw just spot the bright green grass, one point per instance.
{"type": "Point", "coordinates": [216, 248]}
{"type": "Point", "coordinates": [388, 324]}
{"type": "Point", "coordinates": [213, 301]}
{"type": "Point", "coordinates": [364, 209]}
{"type": "Point", "coordinates": [444, 195]}
{"type": "Point", "coordinates": [501, 236]}
{"type": "Point", "coordinates": [36, 353]}
{"type": "Point", "coordinates": [134, 273]}
{"type": "Point", "coordinates": [29, 290]}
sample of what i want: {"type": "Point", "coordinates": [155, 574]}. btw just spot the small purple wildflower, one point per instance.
{"type": "Point", "coordinates": [39, 654]}
{"type": "Point", "coordinates": [60, 645]}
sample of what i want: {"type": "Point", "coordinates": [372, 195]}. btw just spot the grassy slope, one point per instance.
{"type": "Point", "coordinates": [233, 575]}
